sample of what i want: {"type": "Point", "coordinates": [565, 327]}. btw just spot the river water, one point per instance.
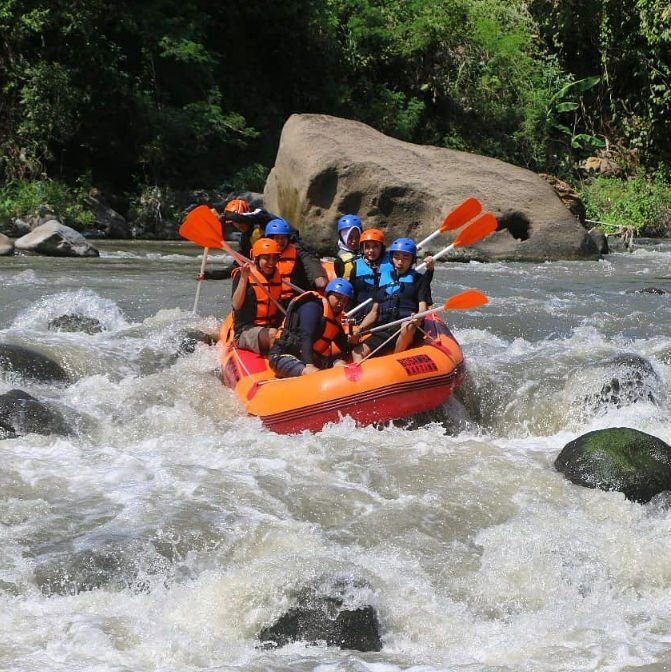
{"type": "Point", "coordinates": [171, 528]}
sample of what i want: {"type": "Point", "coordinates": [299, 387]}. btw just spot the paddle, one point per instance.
{"type": "Point", "coordinates": [201, 277]}
{"type": "Point", "coordinates": [470, 298]}
{"type": "Point", "coordinates": [202, 226]}
{"type": "Point", "coordinates": [357, 308]}
{"type": "Point", "coordinates": [463, 301]}
{"type": "Point", "coordinates": [476, 230]}
{"type": "Point", "coordinates": [463, 213]}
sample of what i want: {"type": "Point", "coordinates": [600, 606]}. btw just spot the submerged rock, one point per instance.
{"type": "Point", "coordinates": [619, 381]}
{"type": "Point", "coordinates": [324, 618]}
{"type": "Point", "coordinates": [20, 413]}
{"type": "Point", "coordinates": [356, 629]}
{"type": "Point", "coordinates": [6, 431]}
{"type": "Point", "coordinates": [621, 459]}
{"type": "Point", "coordinates": [30, 364]}
{"type": "Point", "coordinates": [75, 322]}
{"type": "Point", "coordinates": [650, 290]}
{"type": "Point", "coordinates": [113, 566]}
{"type": "Point", "coordinates": [191, 339]}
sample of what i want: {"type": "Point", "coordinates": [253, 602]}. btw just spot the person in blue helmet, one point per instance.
{"type": "Point", "coordinates": [349, 233]}
{"type": "Point", "coordinates": [310, 330]}
{"type": "Point", "coordinates": [371, 270]}
{"type": "Point", "coordinates": [299, 265]}
{"type": "Point", "coordinates": [409, 292]}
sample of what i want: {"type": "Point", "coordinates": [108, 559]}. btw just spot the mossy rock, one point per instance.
{"type": "Point", "coordinates": [621, 459]}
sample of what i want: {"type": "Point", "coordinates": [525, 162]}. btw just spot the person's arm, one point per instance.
{"type": "Point", "coordinates": [312, 265]}
{"type": "Point", "coordinates": [217, 274]}
{"type": "Point", "coordinates": [371, 317]}
{"type": "Point", "coordinates": [239, 287]}
{"type": "Point", "coordinates": [309, 321]}
{"type": "Point", "coordinates": [424, 297]}
{"type": "Point", "coordinates": [343, 345]}
{"type": "Point", "coordinates": [338, 267]}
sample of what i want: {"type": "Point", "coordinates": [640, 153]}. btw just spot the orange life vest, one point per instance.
{"type": "Point", "coordinates": [331, 325]}
{"type": "Point", "coordinates": [266, 308]}
{"type": "Point", "coordinates": [286, 267]}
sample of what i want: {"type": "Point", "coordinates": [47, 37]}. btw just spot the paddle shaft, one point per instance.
{"type": "Point", "coordinates": [200, 279]}
{"type": "Point", "coordinates": [437, 255]}
{"type": "Point", "coordinates": [464, 212]}
{"type": "Point", "coordinates": [380, 327]}
{"type": "Point", "coordinates": [357, 308]}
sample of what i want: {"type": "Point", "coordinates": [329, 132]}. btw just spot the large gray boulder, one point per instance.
{"type": "Point", "coordinates": [622, 459]}
{"type": "Point", "coordinates": [6, 246]}
{"type": "Point", "coordinates": [326, 166]}
{"type": "Point", "coordinates": [56, 240]}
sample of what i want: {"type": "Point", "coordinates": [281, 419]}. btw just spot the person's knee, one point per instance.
{"type": "Point", "coordinates": [286, 366]}
{"type": "Point", "coordinates": [266, 339]}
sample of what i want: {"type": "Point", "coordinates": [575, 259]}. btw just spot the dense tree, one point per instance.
{"type": "Point", "coordinates": [193, 93]}
{"type": "Point", "coordinates": [628, 45]}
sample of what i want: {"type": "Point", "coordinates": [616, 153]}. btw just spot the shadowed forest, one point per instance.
{"type": "Point", "coordinates": [142, 100]}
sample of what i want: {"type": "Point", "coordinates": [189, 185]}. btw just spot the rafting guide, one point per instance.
{"type": "Point", "coordinates": [255, 298]}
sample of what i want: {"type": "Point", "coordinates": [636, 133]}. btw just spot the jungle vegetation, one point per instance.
{"type": "Point", "coordinates": [138, 98]}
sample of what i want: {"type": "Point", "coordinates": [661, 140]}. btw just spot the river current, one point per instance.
{"type": "Point", "coordinates": [170, 529]}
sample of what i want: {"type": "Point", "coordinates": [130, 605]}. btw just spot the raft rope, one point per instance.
{"type": "Point", "coordinates": [242, 364]}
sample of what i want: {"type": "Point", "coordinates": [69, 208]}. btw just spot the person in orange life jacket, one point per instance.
{"type": "Point", "coordinates": [349, 233]}
{"type": "Point", "coordinates": [408, 293]}
{"type": "Point", "coordinates": [298, 264]}
{"type": "Point", "coordinates": [233, 209]}
{"type": "Point", "coordinates": [311, 327]}
{"type": "Point", "coordinates": [251, 224]}
{"type": "Point", "coordinates": [370, 270]}
{"type": "Point", "coordinates": [255, 315]}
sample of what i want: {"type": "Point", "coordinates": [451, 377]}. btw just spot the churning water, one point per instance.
{"type": "Point", "coordinates": [169, 529]}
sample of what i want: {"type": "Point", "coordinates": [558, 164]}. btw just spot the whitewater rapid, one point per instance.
{"type": "Point", "coordinates": [170, 528]}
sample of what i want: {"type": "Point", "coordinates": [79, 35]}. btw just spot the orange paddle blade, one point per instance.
{"type": "Point", "coordinates": [476, 230]}
{"type": "Point", "coordinates": [461, 214]}
{"type": "Point", "coordinates": [202, 226]}
{"type": "Point", "coordinates": [467, 299]}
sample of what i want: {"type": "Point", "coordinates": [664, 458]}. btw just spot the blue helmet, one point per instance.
{"type": "Point", "coordinates": [404, 245]}
{"type": "Point", "coordinates": [340, 286]}
{"type": "Point", "coordinates": [278, 227]}
{"type": "Point", "coordinates": [349, 222]}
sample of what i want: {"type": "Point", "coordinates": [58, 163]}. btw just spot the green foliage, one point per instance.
{"type": "Point", "coordinates": [250, 178]}
{"type": "Point", "coordinates": [567, 101]}
{"type": "Point", "coordinates": [629, 45]}
{"type": "Point", "coordinates": [26, 198]}
{"type": "Point", "coordinates": [466, 74]}
{"type": "Point", "coordinates": [193, 94]}
{"type": "Point", "coordinates": [638, 202]}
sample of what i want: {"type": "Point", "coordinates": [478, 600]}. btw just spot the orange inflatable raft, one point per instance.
{"type": "Point", "coordinates": [379, 389]}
